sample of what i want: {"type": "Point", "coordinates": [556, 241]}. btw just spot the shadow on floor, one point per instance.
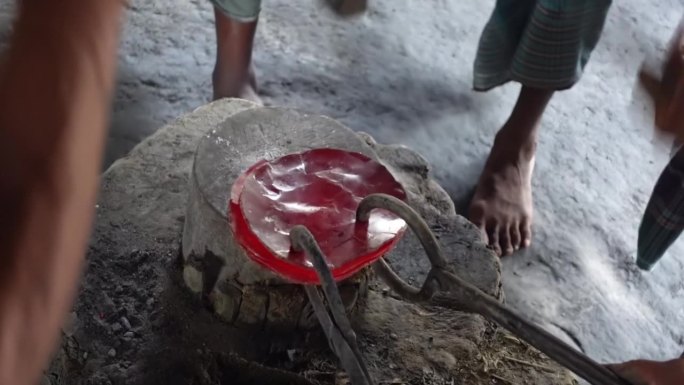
{"type": "Point", "coordinates": [137, 112]}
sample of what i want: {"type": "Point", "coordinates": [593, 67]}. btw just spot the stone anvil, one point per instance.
{"type": "Point", "coordinates": [168, 297]}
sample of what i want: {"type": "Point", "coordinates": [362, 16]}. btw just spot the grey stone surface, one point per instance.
{"type": "Point", "coordinates": [402, 72]}
{"type": "Point", "coordinates": [225, 153]}
{"type": "Point", "coordinates": [258, 134]}
{"type": "Point", "coordinates": [263, 134]}
{"type": "Point", "coordinates": [133, 281]}
{"type": "Point", "coordinates": [458, 237]}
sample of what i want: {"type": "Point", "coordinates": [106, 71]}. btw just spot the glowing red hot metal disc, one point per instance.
{"type": "Point", "coordinates": [321, 190]}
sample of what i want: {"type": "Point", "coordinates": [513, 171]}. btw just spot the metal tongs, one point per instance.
{"type": "Point", "coordinates": [442, 287]}
{"type": "Point", "coordinates": [338, 329]}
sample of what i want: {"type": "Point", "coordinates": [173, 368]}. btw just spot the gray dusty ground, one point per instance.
{"type": "Point", "coordinates": [402, 72]}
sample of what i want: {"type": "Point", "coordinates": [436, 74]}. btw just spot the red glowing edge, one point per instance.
{"type": "Point", "coordinates": [292, 267]}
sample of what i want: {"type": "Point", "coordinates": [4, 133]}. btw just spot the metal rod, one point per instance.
{"type": "Point", "coordinates": [338, 344]}
{"type": "Point", "coordinates": [474, 300]}
{"type": "Point", "coordinates": [341, 336]}
{"type": "Point", "coordinates": [410, 216]}
{"type": "Point", "coordinates": [460, 295]}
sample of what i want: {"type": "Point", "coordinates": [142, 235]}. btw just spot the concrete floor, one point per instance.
{"type": "Point", "coordinates": [403, 72]}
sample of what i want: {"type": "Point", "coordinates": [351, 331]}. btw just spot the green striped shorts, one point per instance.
{"type": "Point", "coordinates": [240, 10]}
{"type": "Point", "coordinates": [538, 43]}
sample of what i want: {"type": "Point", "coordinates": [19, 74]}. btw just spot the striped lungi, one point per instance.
{"type": "Point", "coordinates": [538, 43]}
{"type": "Point", "coordinates": [663, 219]}
{"type": "Point", "coordinates": [239, 10]}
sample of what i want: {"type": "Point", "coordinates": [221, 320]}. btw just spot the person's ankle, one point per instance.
{"type": "Point", "coordinates": [513, 142]}
{"type": "Point", "coordinates": [227, 85]}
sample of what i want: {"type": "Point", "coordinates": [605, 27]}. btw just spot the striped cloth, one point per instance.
{"type": "Point", "coordinates": [244, 11]}
{"type": "Point", "coordinates": [538, 43]}
{"type": "Point", "coordinates": [663, 220]}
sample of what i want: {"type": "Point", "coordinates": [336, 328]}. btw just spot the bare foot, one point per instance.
{"type": "Point", "coordinates": [502, 205]}
{"type": "Point", "coordinates": [249, 93]}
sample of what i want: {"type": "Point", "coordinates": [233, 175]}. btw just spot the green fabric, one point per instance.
{"type": "Point", "coordinates": [663, 220]}
{"type": "Point", "coordinates": [538, 43]}
{"type": "Point", "coordinates": [241, 10]}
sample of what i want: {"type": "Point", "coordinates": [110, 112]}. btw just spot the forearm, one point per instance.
{"type": "Point", "coordinates": [643, 372]}
{"type": "Point", "coordinates": [55, 90]}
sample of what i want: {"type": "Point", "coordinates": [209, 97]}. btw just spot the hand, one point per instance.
{"type": "Point", "coordinates": [668, 92]}
{"type": "Point", "coordinates": [642, 372]}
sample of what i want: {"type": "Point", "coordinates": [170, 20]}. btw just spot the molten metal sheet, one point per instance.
{"type": "Point", "coordinates": [321, 190]}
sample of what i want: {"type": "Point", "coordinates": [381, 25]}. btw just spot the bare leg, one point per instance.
{"type": "Point", "coordinates": [54, 157]}
{"type": "Point", "coordinates": [233, 75]}
{"type": "Point", "coordinates": [502, 205]}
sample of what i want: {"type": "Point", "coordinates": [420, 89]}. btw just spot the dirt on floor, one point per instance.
{"type": "Point", "coordinates": [135, 321]}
